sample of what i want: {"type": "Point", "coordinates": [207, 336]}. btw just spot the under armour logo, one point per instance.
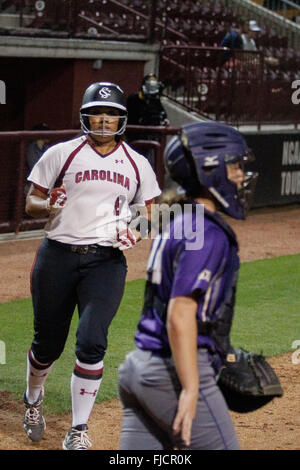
{"type": "Point", "coordinates": [119, 161]}
{"type": "Point", "coordinates": [104, 92]}
{"type": "Point", "coordinates": [211, 161]}
{"type": "Point", "coordinates": [83, 391]}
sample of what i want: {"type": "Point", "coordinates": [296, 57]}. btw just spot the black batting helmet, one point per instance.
{"type": "Point", "coordinates": [103, 94]}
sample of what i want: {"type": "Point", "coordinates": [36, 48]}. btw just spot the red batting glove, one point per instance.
{"type": "Point", "coordinates": [125, 239]}
{"type": "Point", "coordinates": [57, 199]}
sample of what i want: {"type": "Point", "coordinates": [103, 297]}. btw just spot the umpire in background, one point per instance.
{"type": "Point", "coordinates": [168, 385]}
{"type": "Point", "coordinates": [145, 109]}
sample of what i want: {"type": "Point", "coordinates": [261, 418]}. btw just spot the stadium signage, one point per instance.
{"type": "Point", "coordinates": [291, 152]}
{"type": "Point", "coordinates": [2, 92]}
{"type": "Point", "coordinates": [278, 164]}
{"type": "Point", "coordinates": [290, 178]}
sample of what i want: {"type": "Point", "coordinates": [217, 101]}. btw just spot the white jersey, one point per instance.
{"type": "Point", "coordinates": [100, 189]}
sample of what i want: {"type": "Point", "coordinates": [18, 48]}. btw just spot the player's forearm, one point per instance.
{"type": "Point", "coordinates": [36, 207]}
{"type": "Point", "coordinates": [182, 333]}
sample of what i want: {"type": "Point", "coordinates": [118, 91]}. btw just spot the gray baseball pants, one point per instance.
{"type": "Point", "coordinates": [149, 389]}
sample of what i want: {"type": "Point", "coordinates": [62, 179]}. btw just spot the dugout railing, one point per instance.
{"type": "Point", "coordinates": [277, 162]}
{"type": "Point", "coordinates": [13, 218]}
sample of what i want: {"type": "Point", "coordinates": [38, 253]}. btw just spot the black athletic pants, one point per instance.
{"type": "Point", "coordinates": [63, 278]}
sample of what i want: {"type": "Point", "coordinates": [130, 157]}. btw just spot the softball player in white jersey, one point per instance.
{"type": "Point", "coordinates": [86, 186]}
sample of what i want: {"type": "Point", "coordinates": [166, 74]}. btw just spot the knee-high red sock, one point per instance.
{"type": "Point", "coordinates": [37, 374]}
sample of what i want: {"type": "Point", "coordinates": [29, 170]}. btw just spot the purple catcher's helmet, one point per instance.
{"type": "Point", "coordinates": [198, 157]}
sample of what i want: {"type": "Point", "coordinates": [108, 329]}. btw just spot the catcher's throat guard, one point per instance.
{"type": "Point", "coordinates": [247, 381]}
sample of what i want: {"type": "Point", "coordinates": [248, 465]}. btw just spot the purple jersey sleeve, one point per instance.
{"type": "Point", "coordinates": [196, 268]}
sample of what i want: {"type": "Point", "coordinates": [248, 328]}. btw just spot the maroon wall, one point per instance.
{"type": "Point", "coordinates": [12, 113]}
{"type": "Point", "coordinates": [50, 90]}
{"type": "Point", "coordinates": [128, 75]}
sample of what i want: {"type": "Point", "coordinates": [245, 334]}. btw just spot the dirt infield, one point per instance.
{"type": "Point", "coordinates": [265, 234]}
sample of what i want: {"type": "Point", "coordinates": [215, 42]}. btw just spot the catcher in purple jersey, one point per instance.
{"type": "Point", "coordinates": [168, 385]}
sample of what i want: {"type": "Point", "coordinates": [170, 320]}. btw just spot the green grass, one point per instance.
{"type": "Point", "coordinates": [268, 305]}
{"type": "Point", "coordinates": [266, 319]}
{"type": "Point", "coordinates": [16, 322]}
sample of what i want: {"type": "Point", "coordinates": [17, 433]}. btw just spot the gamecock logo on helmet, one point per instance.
{"type": "Point", "coordinates": [104, 92]}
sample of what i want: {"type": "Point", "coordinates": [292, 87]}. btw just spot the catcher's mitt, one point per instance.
{"type": "Point", "coordinates": [247, 381]}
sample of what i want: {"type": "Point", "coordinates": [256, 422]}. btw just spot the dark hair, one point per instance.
{"type": "Point", "coordinates": [173, 196]}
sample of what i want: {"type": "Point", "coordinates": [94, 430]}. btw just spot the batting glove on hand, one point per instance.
{"type": "Point", "coordinates": [56, 200]}
{"type": "Point", "coordinates": [125, 239]}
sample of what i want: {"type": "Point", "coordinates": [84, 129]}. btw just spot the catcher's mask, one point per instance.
{"type": "Point", "coordinates": [151, 87]}
{"type": "Point", "coordinates": [198, 157]}
{"type": "Point", "coordinates": [108, 95]}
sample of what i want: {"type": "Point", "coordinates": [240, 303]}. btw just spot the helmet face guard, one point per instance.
{"type": "Point", "coordinates": [151, 88]}
{"type": "Point", "coordinates": [105, 120]}
{"type": "Point", "coordinates": [199, 158]}
{"type": "Point", "coordinates": [246, 193]}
